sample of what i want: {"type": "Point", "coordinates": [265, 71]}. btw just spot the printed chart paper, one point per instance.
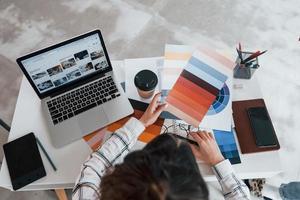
{"type": "Point", "coordinates": [197, 87]}
{"type": "Point", "coordinates": [175, 58]}
{"type": "Point", "coordinates": [219, 115]}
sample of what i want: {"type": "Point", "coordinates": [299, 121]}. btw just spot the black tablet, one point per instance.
{"type": "Point", "coordinates": [24, 161]}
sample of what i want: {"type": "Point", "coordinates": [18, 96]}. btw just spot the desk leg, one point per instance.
{"type": "Point", "coordinates": [61, 194]}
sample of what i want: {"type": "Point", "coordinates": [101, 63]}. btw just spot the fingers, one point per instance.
{"type": "Point", "coordinates": [197, 137]}
{"type": "Point", "coordinates": [155, 99]}
{"type": "Point", "coordinates": [211, 135]}
{"type": "Point", "coordinates": [202, 136]}
{"type": "Point", "coordinates": [159, 109]}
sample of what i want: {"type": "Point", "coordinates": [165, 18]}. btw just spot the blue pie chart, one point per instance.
{"type": "Point", "coordinates": [220, 102]}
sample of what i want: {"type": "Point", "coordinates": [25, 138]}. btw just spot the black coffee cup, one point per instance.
{"type": "Point", "coordinates": [145, 81]}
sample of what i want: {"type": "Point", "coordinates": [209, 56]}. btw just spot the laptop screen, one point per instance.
{"type": "Point", "coordinates": [66, 63]}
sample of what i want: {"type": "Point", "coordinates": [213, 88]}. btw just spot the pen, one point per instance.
{"type": "Point", "coordinates": [255, 55]}
{"type": "Point", "coordinates": [46, 154]}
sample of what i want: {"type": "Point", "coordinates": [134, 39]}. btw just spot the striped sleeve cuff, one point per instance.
{"type": "Point", "coordinates": [222, 169]}
{"type": "Point", "coordinates": [134, 126]}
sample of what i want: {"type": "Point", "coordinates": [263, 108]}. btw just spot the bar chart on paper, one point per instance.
{"type": "Point", "coordinates": [196, 88]}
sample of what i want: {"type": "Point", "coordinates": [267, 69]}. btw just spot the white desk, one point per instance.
{"type": "Point", "coordinates": [28, 118]}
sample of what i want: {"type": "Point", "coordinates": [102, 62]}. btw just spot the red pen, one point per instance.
{"type": "Point", "coordinates": [254, 55]}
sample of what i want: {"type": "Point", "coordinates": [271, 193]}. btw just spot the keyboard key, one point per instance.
{"type": "Point", "coordinates": [54, 112]}
{"type": "Point", "coordinates": [65, 117]}
{"type": "Point", "coordinates": [85, 108]}
{"type": "Point", "coordinates": [113, 91]}
{"type": "Point", "coordinates": [64, 112]}
{"type": "Point", "coordinates": [60, 119]}
{"type": "Point", "coordinates": [70, 115]}
{"type": "Point", "coordinates": [104, 100]}
{"type": "Point", "coordinates": [118, 95]}
{"type": "Point", "coordinates": [55, 121]}
{"type": "Point", "coordinates": [51, 108]}
{"type": "Point", "coordinates": [56, 116]}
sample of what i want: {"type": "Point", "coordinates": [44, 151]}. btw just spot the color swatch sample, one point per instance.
{"type": "Point", "coordinates": [227, 145]}
{"type": "Point", "coordinates": [220, 102]}
{"type": "Point", "coordinates": [196, 88]}
{"type": "Point", "coordinates": [175, 58]}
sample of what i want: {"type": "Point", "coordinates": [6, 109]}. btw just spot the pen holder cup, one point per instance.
{"type": "Point", "coordinates": [245, 71]}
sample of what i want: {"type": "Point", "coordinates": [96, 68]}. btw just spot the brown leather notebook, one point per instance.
{"type": "Point", "coordinates": [243, 128]}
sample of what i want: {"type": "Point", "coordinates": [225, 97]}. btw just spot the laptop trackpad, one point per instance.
{"type": "Point", "coordinates": [92, 120]}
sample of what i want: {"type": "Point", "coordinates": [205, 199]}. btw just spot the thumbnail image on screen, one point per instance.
{"type": "Point", "coordinates": [66, 63]}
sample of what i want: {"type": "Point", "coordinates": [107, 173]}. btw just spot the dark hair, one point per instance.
{"type": "Point", "coordinates": [164, 170]}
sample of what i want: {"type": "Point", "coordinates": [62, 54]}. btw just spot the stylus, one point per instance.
{"type": "Point", "coordinates": [46, 154]}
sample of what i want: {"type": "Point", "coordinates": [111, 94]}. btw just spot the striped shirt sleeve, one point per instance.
{"type": "Point", "coordinates": [110, 153]}
{"type": "Point", "coordinates": [233, 188]}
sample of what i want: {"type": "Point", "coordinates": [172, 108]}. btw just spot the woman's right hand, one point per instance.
{"type": "Point", "coordinates": [208, 149]}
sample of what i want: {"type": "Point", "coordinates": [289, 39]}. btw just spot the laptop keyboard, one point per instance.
{"type": "Point", "coordinates": [82, 99]}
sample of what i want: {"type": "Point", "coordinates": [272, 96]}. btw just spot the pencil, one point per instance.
{"type": "Point", "coordinates": [46, 154]}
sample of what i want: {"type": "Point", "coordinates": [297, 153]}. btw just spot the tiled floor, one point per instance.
{"type": "Point", "coordinates": [135, 28]}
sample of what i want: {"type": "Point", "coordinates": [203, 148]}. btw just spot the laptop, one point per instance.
{"type": "Point", "coordinates": [77, 87]}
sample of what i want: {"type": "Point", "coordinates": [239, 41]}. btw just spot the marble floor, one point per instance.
{"type": "Point", "coordinates": [134, 28]}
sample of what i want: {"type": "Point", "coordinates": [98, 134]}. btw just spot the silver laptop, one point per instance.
{"type": "Point", "coordinates": [77, 87]}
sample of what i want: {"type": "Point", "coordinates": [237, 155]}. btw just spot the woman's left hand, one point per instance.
{"type": "Point", "coordinates": [153, 111]}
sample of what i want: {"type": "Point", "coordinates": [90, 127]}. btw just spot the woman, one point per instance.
{"type": "Point", "coordinates": [165, 169]}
